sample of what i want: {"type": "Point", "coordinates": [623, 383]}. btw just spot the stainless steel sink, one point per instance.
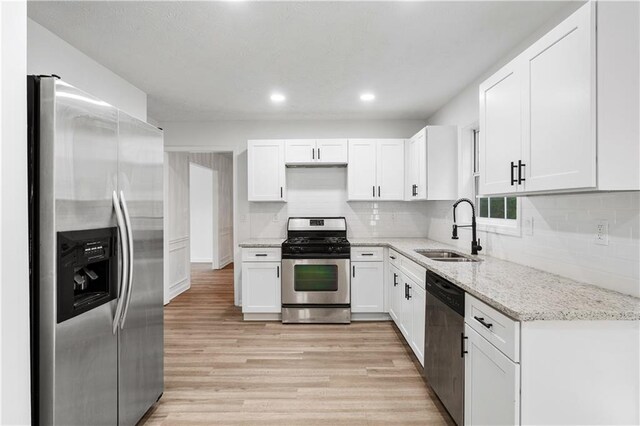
{"type": "Point", "coordinates": [446, 256]}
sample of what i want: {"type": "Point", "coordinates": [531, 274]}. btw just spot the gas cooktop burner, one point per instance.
{"type": "Point", "coordinates": [322, 238]}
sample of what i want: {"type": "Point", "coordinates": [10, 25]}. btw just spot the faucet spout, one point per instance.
{"type": "Point", "coordinates": [475, 242]}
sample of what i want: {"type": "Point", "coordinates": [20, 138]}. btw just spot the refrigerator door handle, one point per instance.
{"type": "Point", "coordinates": [124, 248]}
{"type": "Point", "coordinates": [127, 221]}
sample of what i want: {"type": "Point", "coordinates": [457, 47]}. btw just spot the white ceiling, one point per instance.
{"type": "Point", "coordinates": [221, 60]}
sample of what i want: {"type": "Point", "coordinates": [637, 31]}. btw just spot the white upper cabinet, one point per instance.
{"type": "Point", "coordinates": [332, 151]}
{"type": "Point", "coordinates": [376, 169]}
{"type": "Point", "coordinates": [316, 152]}
{"type": "Point", "coordinates": [565, 115]}
{"type": "Point", "coordinates": [390, 169]}
{"type": "Point", "coordinates": [560, 106]}
{"type": "Point", "coordinates": [266, 175]}
{"type": "Point", "coordinates": [432, 164]}
{"type": "Point", "coordinates": [361, 179]}
{"type": "Point", "coordinates": [501, 130]}
{"type": "Point", "coordinates": [300, 151]}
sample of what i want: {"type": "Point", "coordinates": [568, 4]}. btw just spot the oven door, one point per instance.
{"type": "Point", "coordinates": [315, 281]}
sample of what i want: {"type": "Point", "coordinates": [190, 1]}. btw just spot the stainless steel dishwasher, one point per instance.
{"type": "Point", "coordinates": [444, 343]}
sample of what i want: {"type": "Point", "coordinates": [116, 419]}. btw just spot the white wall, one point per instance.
{"type": "Point", "coordinates": [564, 225]}
{"type": "Point", "coordinates": [49, 54]}
{"type": "Point", "coordinates": [177, 232]}
{"type": "Point", "coordinates": [14, 273]}
{"type": "Point", "coordinates": [201, 213]}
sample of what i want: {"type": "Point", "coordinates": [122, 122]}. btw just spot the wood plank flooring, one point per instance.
{"type": "Point", "coordinates": [222, 370]}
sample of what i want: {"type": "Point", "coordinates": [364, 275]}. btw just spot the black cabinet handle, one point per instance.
{"type": "Point", "coordinates": [318, 153]}
{"type": "Point", "coordinates": [482, 321]}
{"type": "Point", "coordinates": [521, 165]}
{"type": "Point", "coordinates": [395, 279]}
{"type": "Point", "coordinates": [261, 254]}
{"type": "Point", "coordinates": [313, 153]}
{"type": "Point", "coordinates": [374, 190]}
{"type": "Point", "coordinates": [378, 190]}
{"type": "Point", "coordinates": [414, 190]}
{"type": "Point", "coordinates": [280, 192]}
{"type": "Point", "coordinates": [462, 351]}
{"type": "Point", "coordinates": [278, 271]}
{"type": "Point", "coordinates": [354, 271]}
{"type": "Point", "coordinates": [405, 290]}
{"type": "Point", "coordinates": [392, 257]}
{"type": "Point", "coordinates": [513, 179]}
{"type": "Point", "coordinates": [408, 292]}
{"type": "Point", "coordinates": [367, 254]}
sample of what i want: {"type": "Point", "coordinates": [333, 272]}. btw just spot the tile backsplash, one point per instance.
{"type": "Point", "coordinates": [563, 238]}
{"type": "Point", "coordinates": [323, 192]}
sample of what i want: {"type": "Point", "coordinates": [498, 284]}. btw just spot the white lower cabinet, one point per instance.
{"type": "Point", "coordinates": [367, 287]}
{"type": "Point", "coordinates": [407, 304]}
{"type": "Point", "coordinates": [394, 290]}
{"type": "Point", "coordinates": [492, 384]}
{"type": "Point", "coordinates": [261, 287]}
{"type": "Point", "coordinates": [418, 303]}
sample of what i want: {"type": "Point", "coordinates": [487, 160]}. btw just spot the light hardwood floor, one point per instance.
{"type": "Point", "coordinates": [221, 370]}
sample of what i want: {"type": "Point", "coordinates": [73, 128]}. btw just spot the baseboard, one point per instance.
{"type": "Point", "coordinates": [370, 316]}
{"type": "Point", "coordinates": [225, 262]}
{"type": "Point", "coordinates": [179, 288]}
{"type": "Point", "coordinates": [201, 260]}
{"type": "Point", "coordinates": [263, 316]}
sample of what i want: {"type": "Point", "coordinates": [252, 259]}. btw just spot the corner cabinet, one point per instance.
{"type": "Point", "coordinates": [376, 170]}
{"type": "Point", "coordinates": [550, 120]}
{"type": "Point", "coordinates": [266, 174]}
{"type": "Point", "coordinates": [432, 164]}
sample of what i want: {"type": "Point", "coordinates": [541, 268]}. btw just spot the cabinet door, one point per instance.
{"type": "Point", "coordinates": [390, 169]}
{"type": "Point", "coordinates": [394, 291]}
{"type": "Point", "coordinates": [261, 287]}
{"type": "Point", "coordinates": [266, 171]}
{"type": "Point", "coordinates": [418, 301]}
{"type": "Point", "coordinates": [367, 287]}
{"type": "Point", "coordinates": [331, 151]}
{"type": "Point", "coordinates": [300, 151]}
{"type": "Point", "coordinates": [442, 163]}
{"type": "Point", "coordinates": [560, 106]}
{"type": "Point", "coordinates": [416, 160]}
{"type": "Point", "coordinates": [406, 309]}
{"type": "Point", "coordinates": [500, 129]}
{"type": "Point", "coordinates": [492, 384]}
{"type": "Point", "coordinates": [361, 179]}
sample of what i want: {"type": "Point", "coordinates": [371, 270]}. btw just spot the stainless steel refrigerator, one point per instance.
{"type": "Point", "coordinates": [96, 258]}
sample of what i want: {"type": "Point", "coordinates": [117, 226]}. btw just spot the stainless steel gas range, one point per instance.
{"type": "Point", "coordinates": [316, 286]}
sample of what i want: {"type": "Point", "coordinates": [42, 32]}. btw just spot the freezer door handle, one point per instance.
{"type": "Point", "coordinates": [124, 249]}
{"type": "Point", "coordinates": [127, 221]}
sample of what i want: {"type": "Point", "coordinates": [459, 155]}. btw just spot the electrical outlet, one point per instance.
{"type": "Point", "coordinates": [602, 232]}
{"type": "Point", "coordinates": [528, 226]}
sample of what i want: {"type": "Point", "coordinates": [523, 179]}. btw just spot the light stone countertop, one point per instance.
{"type": "Point", "coordinates": [521, 292]}
{"type": "Point", "coordinates": [262, 243]}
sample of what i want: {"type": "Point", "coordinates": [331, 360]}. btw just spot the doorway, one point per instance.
{"type": "Point", "coordinates": [199, 215]}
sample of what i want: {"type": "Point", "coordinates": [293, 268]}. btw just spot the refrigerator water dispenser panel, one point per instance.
{"type": "Point", "coordinates": [87, 270]}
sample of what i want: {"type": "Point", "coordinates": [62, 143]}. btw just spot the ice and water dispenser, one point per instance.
{"type": "Point", "coordinates": [87, 270]}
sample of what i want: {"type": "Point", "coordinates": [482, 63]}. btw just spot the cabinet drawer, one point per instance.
{"type": "Point", "coordinates": [414, 271]}
{"type": "Point", "coordinates": [261, 255]}
{"type": "Point", "coordinates": [367, 254]}
{"type": "Point", "coordinates": [394, 258]}
{"type": "Point", "coordinates": [497, 328]}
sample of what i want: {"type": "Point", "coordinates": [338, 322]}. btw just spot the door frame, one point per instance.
{"type": "Point", "coordinates": [220, 149]}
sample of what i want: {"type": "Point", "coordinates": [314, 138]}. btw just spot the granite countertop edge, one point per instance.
{"type": "Point", "coordinates": [504, 273]}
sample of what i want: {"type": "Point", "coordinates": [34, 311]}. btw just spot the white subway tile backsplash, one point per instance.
{"type": "Point", "coordinates": [563, 240]}
{"type": "Point", "coordinates": [323, 192]}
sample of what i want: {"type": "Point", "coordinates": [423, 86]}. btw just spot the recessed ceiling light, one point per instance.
{"type": "Point", "coordinates": [278, 97]}
{"type": "Point", "coordinates": [367, 97]}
